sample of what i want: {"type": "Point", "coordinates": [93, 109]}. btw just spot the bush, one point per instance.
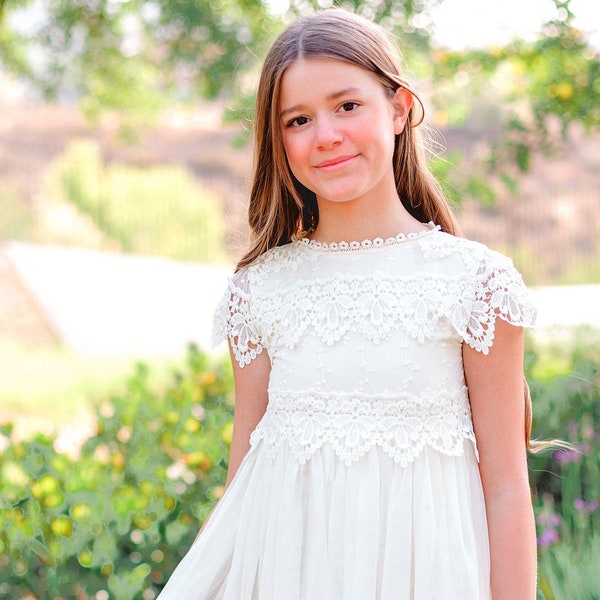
{"type": "Point", "coordinates": [567, 481]}
{"type": "Point", "coordinates": [157, 210]}
{"type": "Point", "coordinates": [117, 519]}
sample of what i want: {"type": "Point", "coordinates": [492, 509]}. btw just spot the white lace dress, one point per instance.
{"type": "Point", "coordinates": [362, 481]}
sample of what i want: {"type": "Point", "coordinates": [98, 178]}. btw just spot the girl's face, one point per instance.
{"type": "Point", "coordinates": [338, 126]}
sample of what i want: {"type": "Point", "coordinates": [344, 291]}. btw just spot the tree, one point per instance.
{"type": "Point", "coordinates": [549, 87]}
{"type": "Point", "coordinates": [135, 57]}
{"type": "Point", "coordinates": [131, 57]}
{"type": "Point", "coordinates": [131, 54]}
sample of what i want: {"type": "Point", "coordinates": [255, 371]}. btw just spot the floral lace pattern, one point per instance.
{"type": "Point", "coordinates": [500, 293]}
{"type": "Point", "coordinates": [374, 304]}
{"type": "Point", "coordinates": [233, 321]}
{"type": "Point", "coordinates": [401, 426]}
{"type": "Point", "coordinates": [283, 258]}
{"type": "Point", "coordinates": [374, 333]}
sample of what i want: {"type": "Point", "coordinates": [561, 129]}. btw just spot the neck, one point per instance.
{"type": "Point", "coordinates": [361, 220]}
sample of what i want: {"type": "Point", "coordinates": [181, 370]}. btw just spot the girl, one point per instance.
{"type": "Point", "coordinates": [378, 448]}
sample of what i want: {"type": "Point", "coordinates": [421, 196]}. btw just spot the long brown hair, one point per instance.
{"type": "Point", "coordinates": [534, 446]}
{"type": "Point", "coordinates": [280, 206]}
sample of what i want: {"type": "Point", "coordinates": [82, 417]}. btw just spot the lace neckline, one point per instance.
{"type": "Point", "coordinates": [368, 244]}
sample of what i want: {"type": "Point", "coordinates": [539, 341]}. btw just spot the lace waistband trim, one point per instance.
{"type": "Point", "coordinates": [400, 426]}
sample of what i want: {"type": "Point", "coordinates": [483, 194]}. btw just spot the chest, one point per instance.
{"type": "Point", "coordinates": [369, 308]}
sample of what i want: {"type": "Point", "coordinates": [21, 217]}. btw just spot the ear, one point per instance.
{"type": "Point", "coordinates": [402, 102]}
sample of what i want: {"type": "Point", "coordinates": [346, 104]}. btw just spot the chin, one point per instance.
{"type": "Point", "coordinates": [340, 197]}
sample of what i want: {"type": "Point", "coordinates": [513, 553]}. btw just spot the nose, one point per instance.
{"type": "Point", "coordinates": [327, 134]}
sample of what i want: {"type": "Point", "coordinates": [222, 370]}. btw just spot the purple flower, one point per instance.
{"type": "Point", "coordinates": [566, 457]}
{"type": "Point", "coordinates": [581, 505]}
{"type": "Point", "coordinates": [549, 519]}
{"type": "Point", "coordinates": [547, 538]}
{"type": "Point", "coordinates": [583, 448]}
{"type": "Point", "coordinates": [588, 432]}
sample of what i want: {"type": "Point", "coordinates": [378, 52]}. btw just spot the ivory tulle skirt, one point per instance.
{"type": "Point", "coordinates": [324, 530]}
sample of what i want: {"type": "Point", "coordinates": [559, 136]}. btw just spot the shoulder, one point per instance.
{"type": "Point", "coordinates": [488, 268]}
{"type": "Point", "coordinates": [287, 258]}
{"type": "Point", "coordinates": [462, 252]}
{"type": "Point", "coordinates": [498, 292]}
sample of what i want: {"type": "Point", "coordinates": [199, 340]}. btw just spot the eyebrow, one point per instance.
{"type": "Point", "coordinates": [333, 96]}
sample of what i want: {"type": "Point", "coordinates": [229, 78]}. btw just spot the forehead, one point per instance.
{"type": "Point", "coordinates": [315, 78]}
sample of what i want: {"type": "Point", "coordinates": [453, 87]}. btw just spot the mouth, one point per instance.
{"type": "Point", "coordinates": [335, 163]}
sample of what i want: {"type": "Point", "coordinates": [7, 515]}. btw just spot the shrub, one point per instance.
{"type": "Point", "coordinates": [157, 210]}
{"type": "Point", "coordinates": [120, 516]}
{"type": "Point", "coordinates": [567, 406]}
{"type": "Point", "coordinates": [115, 521]}
{"type": "Point", "coordinates": [567, 481]}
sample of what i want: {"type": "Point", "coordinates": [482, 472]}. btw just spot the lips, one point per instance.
{"type": "Point", "coordinates": [338, 162]}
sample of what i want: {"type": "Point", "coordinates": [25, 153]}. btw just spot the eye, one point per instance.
{"type": "Point", "coordinates": [297, 122]}
{"type": "Point", "coordinates": [349, 106]}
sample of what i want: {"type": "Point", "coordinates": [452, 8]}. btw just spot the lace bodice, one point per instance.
{"type": "Point", "coordinates": [365, 339]}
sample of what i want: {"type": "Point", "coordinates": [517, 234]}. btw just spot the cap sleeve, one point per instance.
{"type": "Point", "coordinates": [233, 320]}
{"type": "Point", "coordinates": [499, 292]}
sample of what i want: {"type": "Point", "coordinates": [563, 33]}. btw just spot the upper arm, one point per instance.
{"type": "Point", "coordinates": [251, 390]}
{"type": "Point", "coordinates": [251, 383]}
{"type": "Point", "coordinates": [496, 394]}
{"type": "Point", "coordinates": [493, 351]}
{"type": "Point", "coordinates": [235, 321]}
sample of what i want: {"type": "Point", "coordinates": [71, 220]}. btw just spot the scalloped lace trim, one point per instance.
{"type": "Point", "coordinates": [401, 426]}
{"type": "Point", "coordinates": [368, 244]}
{"type": "Point", "coordinates": [233, 321]}
{"type": "Point", "coordinates": [374, 305]}
{"type": "Point", "coordinates": [500, 293]}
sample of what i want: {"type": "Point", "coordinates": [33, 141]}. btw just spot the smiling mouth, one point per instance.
{"type": "Point", "coordinates": [335, 163]}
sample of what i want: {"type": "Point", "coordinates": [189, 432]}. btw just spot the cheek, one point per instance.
{"type": "Point", "coordinates": [294, 153]}
{"type": "Point", "coordinates": [384, 138]}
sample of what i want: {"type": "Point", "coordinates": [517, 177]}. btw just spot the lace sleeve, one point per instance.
{"type": "Point", "coordinates": [233, 320]}
{"type": "Point", "coordinates": [500, 292]}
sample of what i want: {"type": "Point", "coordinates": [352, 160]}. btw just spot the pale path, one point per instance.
{"type": "Point", "coordinates": [567, 305]}
{"type": "Point", "coordinates": [104, 304]}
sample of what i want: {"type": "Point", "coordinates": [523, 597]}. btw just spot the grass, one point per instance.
{"type": "Point", "coordinates": [154, 209]}
{"type": "Point", "coordinates": [54, 384]}
{"type": "Point", "coordinates": [566, 572]}
{"type": "Point", "coordinates": [561, 347]}
{"type": "Point", "coordinates": [17, 221]}
{"type": "Point", "coordinates": [569, 267]}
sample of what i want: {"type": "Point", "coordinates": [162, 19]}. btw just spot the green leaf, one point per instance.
{"type": "Point", "coordinates": [523, 157]}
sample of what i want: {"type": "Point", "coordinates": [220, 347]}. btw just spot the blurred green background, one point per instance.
{"type": "Point", "coordinates": [125, 129]}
